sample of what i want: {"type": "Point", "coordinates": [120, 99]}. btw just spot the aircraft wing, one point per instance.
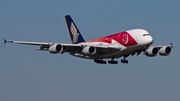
{"type": "Point", "coordinates": [160, 46]}
{"type": "Point", "coordinates": [26, 42]}
{"type": "Point", "coordinates": [72, 48]}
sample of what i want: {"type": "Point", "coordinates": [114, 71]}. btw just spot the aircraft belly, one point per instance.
{"type": "Point", "coordinates": [123, 52]}
{"type": "Point", "coordinates": [117, 54]}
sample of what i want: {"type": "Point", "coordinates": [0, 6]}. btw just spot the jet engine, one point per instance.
{"type": "Point", "coordinates": [56, 48]}
{"type": "Point", "coordinates": [89, 50]}
{"type": "Point", "coordinates": [165, 50]}
{"type": "Point", "coordinates": [151, 51]}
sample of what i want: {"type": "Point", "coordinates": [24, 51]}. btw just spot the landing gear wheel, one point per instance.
{"type": "Point", "coordinates": [124, 61]}
{"type": "Point", "coordinates": [103, 62]}
{"type": "Point", "coordinates": [112, 62]}
{"type": "Point", "coordinates": [99, 61]}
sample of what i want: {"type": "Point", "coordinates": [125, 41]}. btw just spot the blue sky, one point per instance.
{"type": "Point", "coordinates": [27, 74]}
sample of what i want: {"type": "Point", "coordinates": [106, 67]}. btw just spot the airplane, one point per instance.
{"type": "Point", "coordinates": [111, 47]}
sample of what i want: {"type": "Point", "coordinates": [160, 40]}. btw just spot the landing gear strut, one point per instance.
{"type": "Point", "coordinates": [99, 61]}
{"type": "Point", "coordinates": [124, 60]}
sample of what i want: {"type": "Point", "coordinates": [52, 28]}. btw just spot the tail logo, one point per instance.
{"type": "Point", "coordinates": [74, 33]}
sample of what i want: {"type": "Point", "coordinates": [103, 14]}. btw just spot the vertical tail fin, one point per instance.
{"type": "Point", "coordinates": [74, 33]}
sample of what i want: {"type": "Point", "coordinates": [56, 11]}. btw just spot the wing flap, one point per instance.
{"type": "Point", "coordinates": [107, 49]}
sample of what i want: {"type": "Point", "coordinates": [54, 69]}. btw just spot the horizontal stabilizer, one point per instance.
{"type": "Point", "coordinates": [5, 41]}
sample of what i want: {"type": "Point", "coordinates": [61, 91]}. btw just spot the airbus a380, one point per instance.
{"type": "Point", "coordinates": [111, 47]}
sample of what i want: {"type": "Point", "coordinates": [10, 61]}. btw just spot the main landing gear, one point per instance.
{"type": "Point", "coordinates": [112, 61]}
{"type": "Point", "coordinates": [99, 61]}
{"type": "Point", "coordinates": [124, 61]}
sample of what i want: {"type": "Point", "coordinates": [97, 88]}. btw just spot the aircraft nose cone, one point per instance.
{"type": "Point", "coordinates": [150, 40]}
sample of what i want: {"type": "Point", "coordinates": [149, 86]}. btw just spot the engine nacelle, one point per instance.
{"type": "Point", "coordinates": [56, 48]}
{"type": "Point", "coordinates": [89, 50]}
{"type": "Point", "coordinates": [165, 50]}
{"type": "Point", "coordinates": [151, 51]}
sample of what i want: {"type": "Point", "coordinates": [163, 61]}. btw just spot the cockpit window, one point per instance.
{"type": "Point", "coordinates": [146, 34]}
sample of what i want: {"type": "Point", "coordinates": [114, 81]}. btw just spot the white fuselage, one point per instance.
{"type": "Point", "coordinates": [141, 37]}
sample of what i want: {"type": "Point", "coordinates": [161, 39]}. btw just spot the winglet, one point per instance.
{"type": "Point", "coordinates": [5, 41]}
{"type": "Point", "coordinates": [172, 45]}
